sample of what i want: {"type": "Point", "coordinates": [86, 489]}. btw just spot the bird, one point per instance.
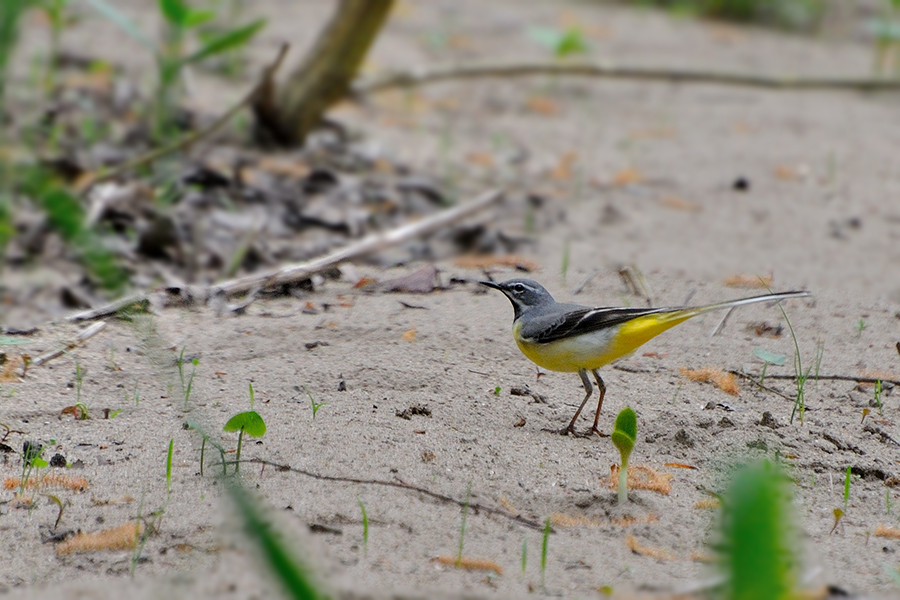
{"type": "Point", "coordinates": [574, 338]}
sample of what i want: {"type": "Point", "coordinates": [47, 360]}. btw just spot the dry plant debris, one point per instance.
{"type": "Point", "coordinates": [487, 261]}
{"type": "Point", "coordinates": [748, 281]}
{"type": "Point", "coordinates": [887, 532]}
{"type": "Point", "coordinates": [708, 504]}
{"type": "Point", "coordinates": [13, 367]}
{"type": "Point", "coordinates": [640, 477]}
{"type": "Point", "coordinates": [472, 564]}
{"type": "Point", "coordinates": [726, 382]}
{"type": "Point", "coordinates": [676, 203]}
{"type": "Point", "coordinates": [638, 548]}
{"type": "Point", "coordinates": [123, 537]}
{"type": "Point", "coordinates": [51, 480]}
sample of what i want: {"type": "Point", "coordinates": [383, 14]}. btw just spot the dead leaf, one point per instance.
{"type": "Point", "coordinates": [887, 532]}
{"type": "Point", "coordinates": [627, 177]}
{"type": "Point", "coordinates": [542, 106]}
{"type": "Point", "coordinates": [679, 465]}
{"type": "Point", "coordinates": [482, 159]}
{"type": "Point", "coordinates": [49, 481]}
{"type": "Point", "coordinates": [486, 261]}
{"type": "Point", "coordinates": [563, 169]}
{"type": "Point", "coordinates": [409, 335]}
{"type": "Point", "coordinates": [707, 503]}
{"type": "Point", "coordinates": [76, 411]}
{"type": "Point", "coordinates": [640, 477]}
{"type": "Point", "coordinates": [8, 374]}
{"type": "Point", "coordinates": [748, 281]}
{"type": "Point", "coordinates": [786, 173]}
{"type": "Point", "coordinates": [473, 564]}
{"type": "Point", "coordinates": [726, 382]}
{"type": "Point", "coordinates": [638, 548]}
{"type": "Point", "coordinates": [676, 203]}
{"type": "Point", "coordinates": [123, 537]}
{"type": "Point", "coordinates": [627, 521]}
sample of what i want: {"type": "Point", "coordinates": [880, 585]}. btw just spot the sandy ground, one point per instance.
{"type": "Point", "coordinates": [821, 213]}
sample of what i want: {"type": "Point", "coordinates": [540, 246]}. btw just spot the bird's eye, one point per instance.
{"type": "Point", "coordinates": [519, 288]}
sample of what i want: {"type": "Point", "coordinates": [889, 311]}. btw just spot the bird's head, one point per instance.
{"type": "Point", "coordinates": [523, 293]}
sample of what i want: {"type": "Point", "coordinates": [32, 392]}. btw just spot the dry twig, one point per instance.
{"type": "Point", "coordinates": [474, 506]}
{"type": "Point", "coordinates": [302, 271]}
{"type": "Point", "coordinates": [85, 334]}
{"type": "Point", "coordinates": [422, 76]}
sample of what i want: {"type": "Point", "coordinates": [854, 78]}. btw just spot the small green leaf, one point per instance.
{"type": "Point", "coordinates": [226, 41]}
{"type": "Point", "coordinates": [249, 421]}
{"type": "Point", "coordinates": [39, 463]}
{"type": "Point", "coordinates": [198, 17]}
{"type": "Point", "coordinates": [622, 442]}
{"type": "Point", "coordinates": [175, 12]}
{"type": "Point", "coordinates": [6, 340]}
{"type": "Point", "coordinates": [561, 43]}
{"type": "Point", "coordinates": [769, 357]}
{"type": "Point", "coordinates": [626, 423]}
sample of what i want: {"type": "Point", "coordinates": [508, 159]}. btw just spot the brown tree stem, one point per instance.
{"type": "Point", "coordinates": [325, 75]}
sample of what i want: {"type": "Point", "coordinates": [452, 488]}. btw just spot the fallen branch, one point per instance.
{"type": "Point", "coordinates": [368, 245]}
{"type": "Point", "coordinates": [405, 486]}
{"type": "Point", "coordinates": [107, 309]}
{"type": "Point", "coordinates": [839, 378]}
{"type": "Point", "coordinates": [298, 273]}
{"type": "Point", "coordinates": [85, 334]}
{"type": "Point", "coordinates": [754, 379]}
{"type": "Point", "coordinates": [422, 76]}
{"type": "Point", "coordinates": [92, 179]}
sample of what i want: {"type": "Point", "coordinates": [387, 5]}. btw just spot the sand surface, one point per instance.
{"type": "Point", "coordinates": [650, 184]}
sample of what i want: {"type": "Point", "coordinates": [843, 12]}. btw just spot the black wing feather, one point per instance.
{"type": "Point", "coordinates": [591, 319]}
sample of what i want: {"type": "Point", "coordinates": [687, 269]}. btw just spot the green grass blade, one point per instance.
{"type": "Point", "coordinates": [273, 552]}
{"type": "Point", "coordinates": [169, 466]}
{"type": "Point", "coordinates": [227, 41]}
{"type": "Point", "coordinates": [757, 535]}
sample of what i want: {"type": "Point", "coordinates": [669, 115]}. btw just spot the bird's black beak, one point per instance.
{"type": "Point", "coordinates": [491, 284]}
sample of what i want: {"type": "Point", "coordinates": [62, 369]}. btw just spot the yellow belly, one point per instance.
{"type": "Point", "coordinates": [597, 348]}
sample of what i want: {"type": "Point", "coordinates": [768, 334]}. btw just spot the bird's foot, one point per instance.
{"type": "Point", "coordinates": [598, 432]}
{"type": "Point", "coordinates": [569, 430]}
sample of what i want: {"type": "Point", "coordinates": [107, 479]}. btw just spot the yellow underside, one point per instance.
{"type": "Point", "coordinates": [593, 350]}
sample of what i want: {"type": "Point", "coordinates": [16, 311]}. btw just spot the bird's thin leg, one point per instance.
{"type": "Point", "coordinates": [601, 388]}
{"type": "Point", "coordinates": [588, 390]}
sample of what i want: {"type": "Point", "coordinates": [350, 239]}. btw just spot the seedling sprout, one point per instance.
{"type": "Point", "coordinates": [249, 422]}
{"type": "Point", "coordinates": [623, 438]}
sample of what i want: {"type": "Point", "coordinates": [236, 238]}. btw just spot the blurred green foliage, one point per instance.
{"type": "Point", "coordinates": [792, 14]}
{"type": "Point", "coordinates": [757, 552]}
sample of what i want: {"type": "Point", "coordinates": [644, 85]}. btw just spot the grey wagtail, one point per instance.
{"type": "Point", "coordinates": [576, 339]}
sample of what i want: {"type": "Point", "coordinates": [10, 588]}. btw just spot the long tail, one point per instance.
{"type": "Point", "coordinates": [637, 331]}
{"type": "Point", "coordinates": [752, 300]}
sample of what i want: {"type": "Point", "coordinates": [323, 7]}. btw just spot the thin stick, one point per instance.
{"type": "Point", "coordinates": [840, 378]}
{"type": "Point", "coordinates": [299, 272]}
{"type": "Point", "coordinates": [107, 309]}
{"type": "Point", "coordinates": [755, 381]}
{"type": "Point", "coordinates": [405, 486]}
{"type": "Point", "coordinates": [85, 334]}
{"type": "Point", "coordinates": [190, 139]}
{"type": "Point", "coordinates": [368, 245]}
{"type": "Point", "coordinates": [422, 76]}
